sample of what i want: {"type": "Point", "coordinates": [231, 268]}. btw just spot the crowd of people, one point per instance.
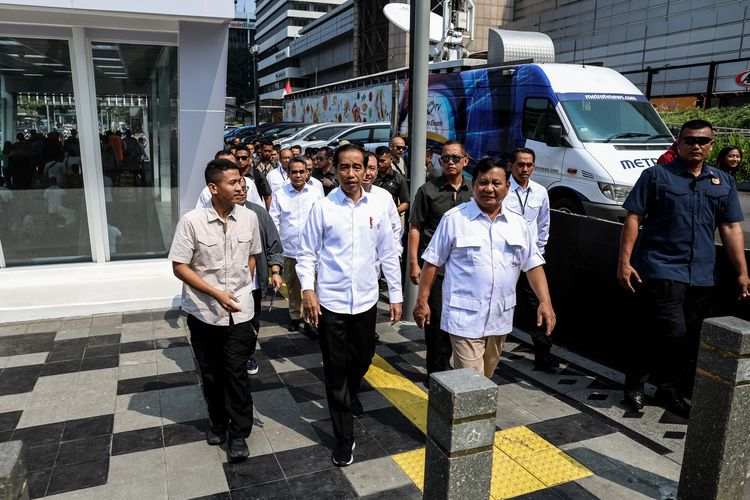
{"type": "Point", "coordinates": [337, 226]}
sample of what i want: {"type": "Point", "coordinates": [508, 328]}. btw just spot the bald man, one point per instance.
{"type": "Point", "coordinates": [398, 146]}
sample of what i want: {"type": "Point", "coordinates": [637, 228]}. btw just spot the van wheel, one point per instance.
{"type": "Point", "coordinates": [567, 205]}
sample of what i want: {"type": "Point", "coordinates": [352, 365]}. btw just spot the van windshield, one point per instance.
{"type": "Point", "coordinates": [614, 118]}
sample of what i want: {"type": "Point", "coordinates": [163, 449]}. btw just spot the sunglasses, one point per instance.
{"type": "Point", "coordinates": [693, 140]}
{"type": "Point", "coordinates": [320, 158]}
{"type": "Point", "coordinates": [451, 158]}
{"type": "Point", "coordinates": [242, 158]}
{"type": "Point", "coordinates": [400, 148]}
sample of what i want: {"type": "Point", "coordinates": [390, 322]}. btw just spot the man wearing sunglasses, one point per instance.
{"type": "Point", "coordinates": [432, 200]}
{"type": "Point", "coordinates": [680, 205]}
{"type": "Point", "coordinates": [323, 170]}
{"type": "Point", "coordinates": [398, 147]}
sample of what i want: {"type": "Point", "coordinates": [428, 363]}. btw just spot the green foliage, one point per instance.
{"type": "Point", "coordinates": [733, 117]}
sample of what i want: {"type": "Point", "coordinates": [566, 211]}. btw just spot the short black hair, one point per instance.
{"type": "Point", "coordinates": [724, 152]}
{"type": "Point", "coordinates": [382, 150]}
{"type": "Point", "coordinates": [311, 151]}
{"type": "Point", "coordinates": [265, 141]}
{"type": "Point", "coordinates": [455, 143]}
{"type": "Point", "coordinates": [514, 154]}
{"type": "Point", "coordinates": [241, 148]}
{"type": "Point", "coordinates": [347, 147]}
{"type": "Point", "coordinates": [328, 152]}
{"type": "Point", "coordinates": [295, 146]}
{"type": "Point", "coordinates": [298, 159]}
{"type": "Point", "coordinates": [216, 168]}
{"type": "Point", "coordinates": [221, 152]}
{"type": "Point", "coordinates": [487, 164]}
{"type": "Point", "coordinates": [696, 125]}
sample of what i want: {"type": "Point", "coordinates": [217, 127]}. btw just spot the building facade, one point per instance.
{"type": "Point", "coordinates": [689, 51]}
{"type": "Point", "coordinates": [107, 122]}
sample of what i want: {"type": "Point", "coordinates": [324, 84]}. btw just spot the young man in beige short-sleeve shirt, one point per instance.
{"type": "Point", "coordinates": [213, 254]}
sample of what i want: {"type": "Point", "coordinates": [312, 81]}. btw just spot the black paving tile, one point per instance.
{"type": "Point", "coordinates": [310, 392]}
{"type": "Point", "coordinates": [101, 350]}
{"type": "Point", "coordinates": [40, 434]}
{"type": "Point", "coordinates": [9, 420]}
{"type": "Point", "coordinates": [139, 384]}
{"type": "Point", "coordinates": [141, 345]}
{"type": "Point", "coordinates": [515, 357]}
{"type": "Point", "coordinates": [26, 343]}
{"type": "Point", "coordinates": [61, 367]}
{"type": "Point", "coordinates": [83, 450]}
{"type": "Point", "coordinates": [275, 490]}
{"type": "Point", "coordinates": [100, 363]}
{"type": "Point", "coordinates": [78, 476]}
{"type": "Point", "coordinates": [670, 418]}
{"type": "Point", "coordinates": [40, 457]}
{"type": "Point", "coordinates": [567, 381]}
{"type": "Point", "coordinates": [674, 435]}
{"type": "Point", "coordinates": [5, 436]}
{"type": "Point", "coordinates": [545, 494]}
{"type": "Point", "coordinates": [180, 379]}
{"type": "Point", "coordinates": [633, 414]}
{"type": "Point", "coordinates": [393, 431]}
{"type": "Point", "coordinates": [138, 440]}
{"type": "Point", "coordinates": [64, 350]}
{"type": "Point", "coordinates": [185, 432]}
{"type": "Point", "coordinates": [305, 460]}
{"type": "Point", "coordinates": [571, 428]}
{"type": "Point", "coordinates": [573, 491]}
{"type": "Point", "coordinates": [602, 383]}
{"type": "Point", "coordinates": [37, 482]}
{"type": "Point", "coordinates": [181, 341]}
{"type": "Point", "coordinates": [19, 379]}
{"type": "Point", "coordinates": [598, 396]}
{"type": "Point", "coordinates": [224, 495]}
{"type": "Point", "coordinates": [330, 483]}
{"type": "Point", "coordinates": [88, 427]}
{"type": "Point", "coordinates": [279, 347]}
{"type": "Point", "coordinates": [254, 470]}
{"type": "Point", "coordinates": [300, 378]}
{"type": "Point", "coordinates": [99, 340]}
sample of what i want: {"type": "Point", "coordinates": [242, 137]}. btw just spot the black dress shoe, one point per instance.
{"type": "Point", "coordinates": [673, 403]}
{"type": "Point", "coordinates": [294, 325]}
{"type": "Point", "coordinates": [634, 399]}
{"type": "Point", "coordinates": [237, 450]}
{"type": "Point", "coordinates": [216, 435]}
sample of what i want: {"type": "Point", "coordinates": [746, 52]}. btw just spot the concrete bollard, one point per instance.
{"type": "Point", "coordinates": [13, 484]}
{"type": "Point", "coordinates": [460, 435]}
{"type": "Point", "coordinates": [717, 447]}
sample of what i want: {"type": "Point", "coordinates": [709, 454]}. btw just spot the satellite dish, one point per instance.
{"type": "Point", "coordinates": [399, 14]}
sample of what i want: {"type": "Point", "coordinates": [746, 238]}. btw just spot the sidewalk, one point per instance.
{"type": "Point", "coordinates": [111, 407]}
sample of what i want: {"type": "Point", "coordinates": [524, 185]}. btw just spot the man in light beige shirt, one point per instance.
{"type": "Point", "coordinates": [213, 254]}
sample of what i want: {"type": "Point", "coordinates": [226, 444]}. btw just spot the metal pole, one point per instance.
{"type": "Point", "coordinates": [420, 47]}
{"type": "Point", "coordinates": [255, 89]}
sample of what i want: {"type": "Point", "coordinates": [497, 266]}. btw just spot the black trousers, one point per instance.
{"type": "Point", "coordinates": [542, 342]}
{"type": "Point", "coordinates": [438, 341]}
{"type": "Point", "coordinates": [222, 352]}
{"type": "Point", "coordinates": [347, 342]}
{"type": "Point", "coordinates": [255, 321]}
{"type": "Point", "coordinates": [666, 346]}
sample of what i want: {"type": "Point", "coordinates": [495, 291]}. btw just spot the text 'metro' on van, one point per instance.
{"type": "Point", "coordinates": [592, 130]}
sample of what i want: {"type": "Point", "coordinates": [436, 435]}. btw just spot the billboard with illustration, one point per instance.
{"type": "Point", "coordinates": [368, 104]}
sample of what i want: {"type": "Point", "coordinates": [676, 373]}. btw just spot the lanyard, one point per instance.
{"type": "Point", "coordinates": [524, 202]}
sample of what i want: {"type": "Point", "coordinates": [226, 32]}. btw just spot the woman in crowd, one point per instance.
{"type": "Point", "coordinates": [729, 160]}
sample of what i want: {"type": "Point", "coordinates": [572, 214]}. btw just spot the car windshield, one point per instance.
{"type": "Point", "coordinates": [289, 130]}
{"type": "Point", "coordinates": [324, 133]}
{"type": "Point", "coordinates": [615, 119]}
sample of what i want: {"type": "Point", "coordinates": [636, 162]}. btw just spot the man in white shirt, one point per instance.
{"type": "Point", "coordinates": [290, 208]}
{"type": "Point", "coordinates": [312, 181]}
{"type": "Point", "coordinates": [529, 199]}
{"type": "Point", "coordinates": [279, 175]}
{"type": "Point", "coordinates": [213, 254]}
{"type": "Point", "coordinates": [345, 234]}
{"type": "Point", "coordinates": [483, 248]}
{"type": "Point", "coordinates": [204, 200]}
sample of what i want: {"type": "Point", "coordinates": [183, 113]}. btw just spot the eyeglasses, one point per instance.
{"type": "Point", "coordinates": [451, 158]}
{"type": "Point", "coordinates": [693, 140]}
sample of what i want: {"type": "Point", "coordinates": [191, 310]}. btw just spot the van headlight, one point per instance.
{"type": "Point", "coordinates": [615, 192]}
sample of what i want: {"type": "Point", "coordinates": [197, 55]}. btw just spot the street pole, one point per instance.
{"type": "Point", "coordinates": [256, 98]}
{"type": "Point", "coordinates": [420, 48]}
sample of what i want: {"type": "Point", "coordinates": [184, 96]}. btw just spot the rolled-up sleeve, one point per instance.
{"type": "Point", "coordinates": [439, 249]}
{"type": "Point", "coordinates": [309, 251]}
{"type": "Point", "coordinates": [532, 255]}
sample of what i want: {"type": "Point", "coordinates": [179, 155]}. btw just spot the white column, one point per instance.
{"type": "Point", "coordinates": [82, 69]}
{"type": "Point", "coordinates": [202, 62]}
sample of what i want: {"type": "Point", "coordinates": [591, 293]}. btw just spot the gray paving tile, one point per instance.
{"type": "Point", "coordinates": [372, 476]}
{"type": "Point", "coordinates": [191, 482]}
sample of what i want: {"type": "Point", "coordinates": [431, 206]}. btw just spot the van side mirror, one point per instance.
{"type": "Point", "coordinates": [553, 136]}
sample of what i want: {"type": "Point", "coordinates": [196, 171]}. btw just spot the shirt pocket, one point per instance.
{"type": "Point", "coordinates": [715, 206]}
{"type": "Point", "coordinates": [210, 252]}
{"type": "Point", "coordinates": [509, 302]}
{"type": "Point", "coordinates": [531, 212]}
{"type": "Point", "coordinates": [465, 312]}
{"type": "Point", "coordinates": [468, 251]}
{"type": "Point", "coordinates": [512, 255]}
{"type": "Point", "coordinates": [673, 197]}
{"type": "Point", "coordinates": [242, 246]}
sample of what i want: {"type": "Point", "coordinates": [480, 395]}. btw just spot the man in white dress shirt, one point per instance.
{"type": "Point", "coordinates": [279, 175]}
{"type": "Point", "coordinates": [345, 234]}
{"type": "Point", "coordinates": [529, 199]}
{"type": "Point", "coordinates": [290, 208]}
{"type": "Point", "coordinates": [484, 248]}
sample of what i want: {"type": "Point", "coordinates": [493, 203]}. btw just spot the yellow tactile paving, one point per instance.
{"type": "Point", "coordinates": [522, 461]}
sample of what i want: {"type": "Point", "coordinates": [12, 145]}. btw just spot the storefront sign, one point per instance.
{"type": "Point", "coordinates": [743, 79]}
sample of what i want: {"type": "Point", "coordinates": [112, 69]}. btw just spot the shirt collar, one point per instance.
{"type": "Point", "coordinates": [290, 189]}
{"type": "Point", "coordinates": [474, 211]}
{"type": "Point", "coordinates": [442, 183]}
{"type": "Point", "coordinates": [515, 186]}
{"type": "Point", "coordinates": [341, 197]}
{"type": "Point", "coordinates": [678, 168]}
{"type": "Point", "coordinates": [213, 215]}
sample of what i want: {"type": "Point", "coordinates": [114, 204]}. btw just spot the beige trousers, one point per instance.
{"type": "Point", "coordinates": [293, 288]}
{"type": "Point", "coordinates": [483, 354]}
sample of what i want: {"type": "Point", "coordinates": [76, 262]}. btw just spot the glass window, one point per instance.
{"type": "Point", "coordinates": [324, 133]}
{"type": "Point", "coordinates": [615, 120]}
{"type": "Point", "coordinates": [538, 113]}
{"type": "Point", "coordinates": [361, 135]}
{"type": "Point", "coordinates": [136, 94]}
{"type": "Point", "coordinates": [42, 204]}
{"type": "Point", "coordinates": [381, 134]}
